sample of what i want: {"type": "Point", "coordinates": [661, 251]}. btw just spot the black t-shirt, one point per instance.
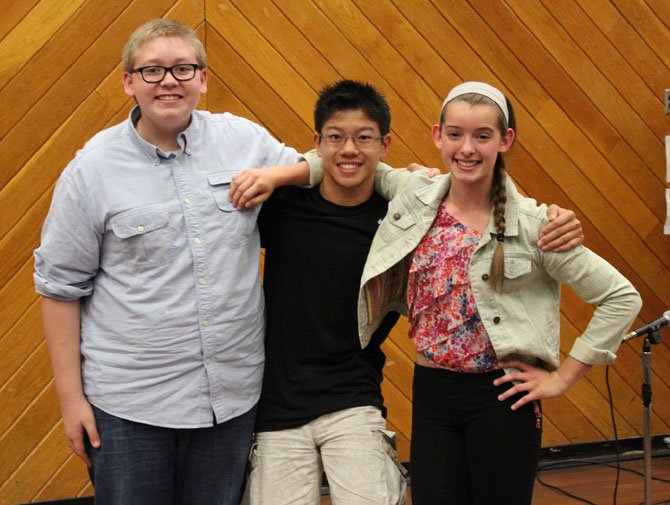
{"type": "Point", "coordinates": [315, 254]}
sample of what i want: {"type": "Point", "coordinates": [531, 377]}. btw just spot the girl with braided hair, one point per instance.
{"type": "Point", "coordinates": [461, 251]}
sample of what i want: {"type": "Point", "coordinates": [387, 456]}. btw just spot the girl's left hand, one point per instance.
{"type": "Point", "coordinates": [537, 382]}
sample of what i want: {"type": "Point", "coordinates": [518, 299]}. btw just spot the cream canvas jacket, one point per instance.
{"type": "Point", "coordinates": [523, 321]}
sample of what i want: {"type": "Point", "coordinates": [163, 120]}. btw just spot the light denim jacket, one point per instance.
{"type": "Point", "coordinates": [523, 321]}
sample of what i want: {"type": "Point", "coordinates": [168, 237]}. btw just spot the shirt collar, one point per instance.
{"type": "Point", "coordinates": [150, 150]}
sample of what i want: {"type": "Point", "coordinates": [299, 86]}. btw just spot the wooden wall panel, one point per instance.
{"type": "Point", "coordinates": [17, 49]}
{"type": "Point", "coordinates": [586, 80]}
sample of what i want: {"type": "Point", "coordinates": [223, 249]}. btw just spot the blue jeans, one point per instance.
{"type": "Point", "coordinates": [139, 464]}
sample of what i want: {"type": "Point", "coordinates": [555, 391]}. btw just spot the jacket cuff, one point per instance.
{"type": "Point", "coordinates": [315, 167]}
{"type": "Point", "coordinates": [585, 353]}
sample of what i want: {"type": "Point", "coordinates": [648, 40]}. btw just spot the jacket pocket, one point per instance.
{"type": "Point", "coordinates": [518, 271]}
{"type": "Point", "coordinates": [398, 219]}
{"type": "Point", "coordinates": [517, 265]}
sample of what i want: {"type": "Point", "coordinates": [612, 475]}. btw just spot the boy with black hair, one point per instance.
{"type": "Point", "coordinates": [321, 406]}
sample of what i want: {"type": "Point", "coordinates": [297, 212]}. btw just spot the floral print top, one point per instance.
{"type": "Point", "coordinates": [444, 322]}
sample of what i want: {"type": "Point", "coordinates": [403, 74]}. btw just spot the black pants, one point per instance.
{"type": "Point", "coordinates": [469, 448]}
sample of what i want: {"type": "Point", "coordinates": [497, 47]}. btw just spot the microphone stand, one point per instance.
{"type": "Point", "coordinates": [652, 337]}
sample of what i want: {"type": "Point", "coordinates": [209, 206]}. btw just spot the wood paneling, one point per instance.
{"type": "Point", "coordinates": [586, 80]}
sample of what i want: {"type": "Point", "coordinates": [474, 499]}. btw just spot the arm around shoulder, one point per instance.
{"type": "Point", "coordinates": [253, 186]}
{"type": "Point", "coordinates": [388, 181]}
{"type": "Point", "coordinates": [562, 232]}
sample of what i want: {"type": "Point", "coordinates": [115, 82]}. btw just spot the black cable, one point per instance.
{"type": "Point", "coordinates": [617, 453]}
{"type": "Point", "coordinates": [586, 461]}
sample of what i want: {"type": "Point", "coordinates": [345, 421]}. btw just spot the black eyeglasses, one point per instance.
{"type": "Point", "coordinates": [337, 140]}
{"type": "Point", "coordinates": [156, 73]}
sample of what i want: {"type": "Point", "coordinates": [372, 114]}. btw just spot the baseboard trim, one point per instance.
{"type": "Point", "coordinates": [602, 452]}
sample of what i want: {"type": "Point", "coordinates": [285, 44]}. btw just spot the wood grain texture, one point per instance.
{"type": "Point", "coordinates": [586, 80]}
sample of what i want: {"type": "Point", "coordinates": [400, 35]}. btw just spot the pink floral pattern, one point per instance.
{"type": "Point", "coordinates": [445, 324]}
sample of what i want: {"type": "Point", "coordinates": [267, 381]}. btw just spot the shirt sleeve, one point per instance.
{"type": "Point", "coordinates": [276, 153]}
{"type": "Point", "coordinates": [67, 259]}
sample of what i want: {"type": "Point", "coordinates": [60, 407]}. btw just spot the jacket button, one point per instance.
{"type": "Point", "coordinates": [496, 320]}
{"type": "Point", "coordinates": [397, 216]}
{"type": "Point", "coordinates": [485, 277]}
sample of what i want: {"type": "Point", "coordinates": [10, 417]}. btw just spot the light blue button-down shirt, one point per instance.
{"type": "Point", "coordinates": [166, 270]}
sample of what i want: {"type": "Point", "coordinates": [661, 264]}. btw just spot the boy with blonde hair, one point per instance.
{"type": "Point", "coordinates": [152, 305]}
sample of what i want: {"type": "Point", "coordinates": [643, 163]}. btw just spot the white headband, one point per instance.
{"type": "Point", "coordinates": [480, 88]}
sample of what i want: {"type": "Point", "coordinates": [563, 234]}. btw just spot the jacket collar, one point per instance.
{"type": "Point", "coordinates": [150, 150]}
{"type": "Point", "coordinates": [433, 194]}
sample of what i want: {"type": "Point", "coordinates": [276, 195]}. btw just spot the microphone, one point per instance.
{"type": "Point", "coordinates": [661, 322]}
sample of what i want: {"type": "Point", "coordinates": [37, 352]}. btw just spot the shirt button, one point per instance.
{"type": "Point", "coordinates": [176, 163]}
{"type": "Point", "coordinates": [208, 360]}
{"type": "Point", "coordinates": [205, 322]}
{"type": "Point", "coordinates": [202, 281]}
{"type": "Point", "coordinates": [187, 200]}
{"type": "Point", "coordinates": [496, 320]}
{"type": "Point", "coordinates": [397, 216]}
{"type": "Point", "coordinates": [485, 277]}
{"type": "Point", "coordinates": [196, 240]}
{"type": "Point", "coordinates": [140, 229]}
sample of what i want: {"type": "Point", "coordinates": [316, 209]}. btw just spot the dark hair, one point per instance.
{"type": "Point", "coordinates": [352, 95]}
{"type": "Point", "coordinates": [498, 192]}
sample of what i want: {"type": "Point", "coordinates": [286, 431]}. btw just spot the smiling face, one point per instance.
{"type": "Point", "coordinates": [167, 105]}
{"type": "Point", "coordinates": [470, 140]}
{"type": "Point", "coordinates": [349, 177]}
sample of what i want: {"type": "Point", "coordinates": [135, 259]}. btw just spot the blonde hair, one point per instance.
{"type": "Point", "coordinates": [157, 28]}
{"type": "Point", "coordinates": [498, 191]}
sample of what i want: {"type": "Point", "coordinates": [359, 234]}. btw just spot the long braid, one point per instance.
{"type": "Point", "coordinates": [499, 200]}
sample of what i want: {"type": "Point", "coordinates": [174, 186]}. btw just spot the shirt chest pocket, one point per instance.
{"type": "Point", "coordinates": [238, 225]}
{"type": "Point", "coordinates": [145, 235]}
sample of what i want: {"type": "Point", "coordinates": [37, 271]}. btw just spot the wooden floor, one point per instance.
{"type": "Point", "coordinates": [596, 484]}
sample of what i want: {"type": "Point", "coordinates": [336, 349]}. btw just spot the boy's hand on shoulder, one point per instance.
{"type": "Point", "coordinates": [430, 172]}
{"type": "Point", "coordinates": [562, 233]}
